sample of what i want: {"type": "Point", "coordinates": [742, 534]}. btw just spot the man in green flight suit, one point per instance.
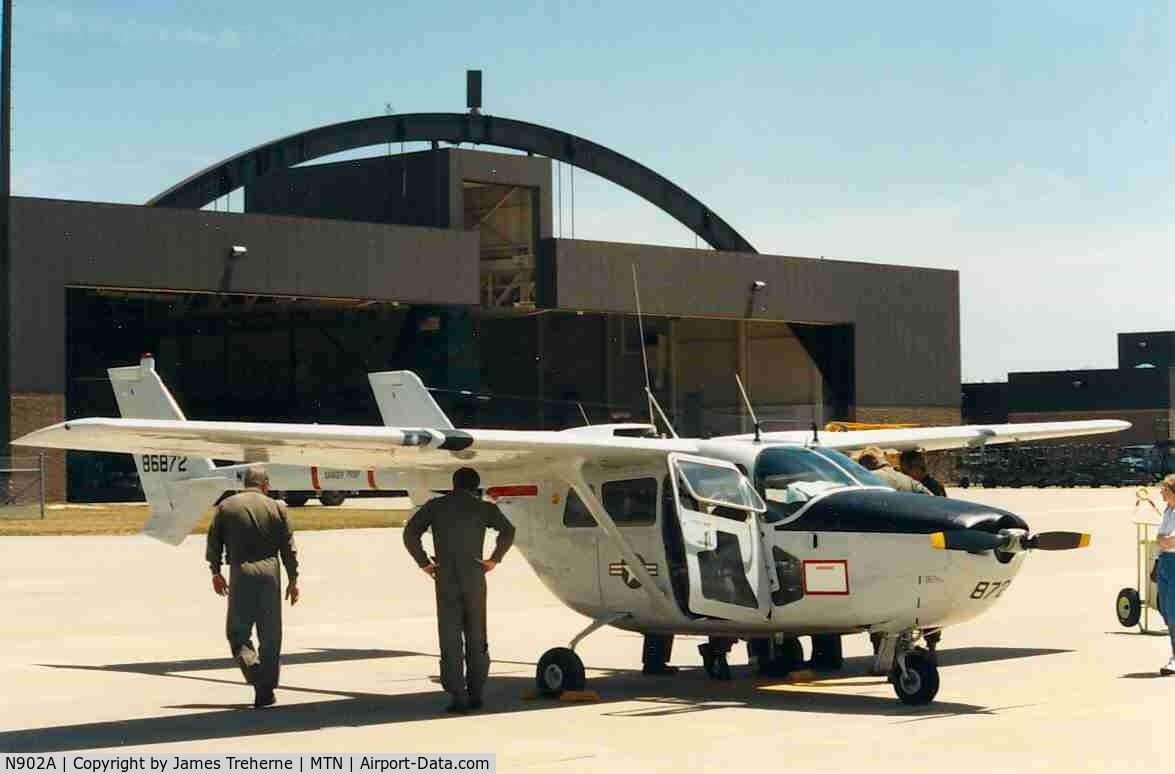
{"type": "Point", "coordinates": [458, 522]}
{"type": "Point", "coordinates": [254, 530]}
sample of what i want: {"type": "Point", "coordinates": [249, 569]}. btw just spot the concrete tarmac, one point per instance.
{"type": "Point", "coordinates": [118, 643]}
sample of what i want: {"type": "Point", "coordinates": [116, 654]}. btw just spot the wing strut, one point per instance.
{"type": "Point", "coordinates": [573, 473]}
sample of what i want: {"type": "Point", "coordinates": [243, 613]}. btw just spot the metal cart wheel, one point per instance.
{"type": "Point", "coordinates": [1129, 607]}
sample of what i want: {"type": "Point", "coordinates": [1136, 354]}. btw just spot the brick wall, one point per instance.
{"type": "Point", "coordinates": [32, 411]}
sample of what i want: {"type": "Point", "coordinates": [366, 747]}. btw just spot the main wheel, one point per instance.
{"type": "Point", "coordinates": [827, 652]}
{"type": "Point", "coordinates": [331, 499]}
{"type": "Point", "coordinates": [919, 684]}
{"type": "Point", "coordinates": [296, 499]}
{"type": "Point", "coordinates": [559, 670]}
{"type": "Point", "coordinates": [1129, 607]}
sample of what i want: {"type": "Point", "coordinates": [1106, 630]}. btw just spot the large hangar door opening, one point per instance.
{"type": "Point", "coordinates": [504, 217]}
{"type": "Point", "coordinates": [246, 358]}
{"type": "Point", "coordinates": [786, 385]}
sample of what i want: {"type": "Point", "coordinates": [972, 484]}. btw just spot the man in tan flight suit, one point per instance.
{"type": "Point", "coordinates": [254, 530]}
{"type": "Point", "coordinates": [458, 522]}
{"type": "Point", "coordinates": [873, 460]}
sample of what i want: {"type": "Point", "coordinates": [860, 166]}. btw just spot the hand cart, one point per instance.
{"type": "Point", "coordinates": [1134, 605]}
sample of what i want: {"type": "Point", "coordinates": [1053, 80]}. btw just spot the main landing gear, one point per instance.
{"type": "Point", "coordinates": [560, 669]}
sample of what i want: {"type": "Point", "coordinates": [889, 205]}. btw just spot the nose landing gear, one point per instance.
{"type": "Point", "coordinates": [914, 673]}
{"type": "Point", "coordinates": [915, 678]}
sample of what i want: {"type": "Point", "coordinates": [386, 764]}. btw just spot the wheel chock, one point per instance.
{"type": "Point", "coordinates": [530, 694]}
{"type": "Point", "coordinates": [579, 696]}
{"type": "Point", "coordinates": [800, 676]}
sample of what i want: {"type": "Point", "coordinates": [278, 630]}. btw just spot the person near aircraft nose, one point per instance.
{"type": "Point", "coordinates": [254, 530]}
{"type": "Point", "coordinates": [873, 459]}
{"type": "Point", "coordinates": [458, 522]}
{"type": "Point", "coordinates": [913, 463]}
{"type": "Point", "coordinates": [1166, 565]}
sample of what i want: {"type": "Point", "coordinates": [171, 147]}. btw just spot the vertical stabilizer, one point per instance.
{"type": "Point", "coordinates": [404, 401]}
{"type": "Point", "coordinates": [179, 489]}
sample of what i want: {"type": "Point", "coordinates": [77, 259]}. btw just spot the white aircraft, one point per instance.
{"type": "Point", "coordinates": [762, 537]}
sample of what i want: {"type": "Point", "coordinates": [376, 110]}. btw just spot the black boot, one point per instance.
{"type": "Point", "coordinates": [655, 655]}
{"type": "Point", "coordinates": [263, 697]}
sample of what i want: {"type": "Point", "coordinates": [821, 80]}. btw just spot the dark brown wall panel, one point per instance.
{"type": "Point", "coordinates": [59, 243]}
{"type": "Point", "coordinates": [905, 319]}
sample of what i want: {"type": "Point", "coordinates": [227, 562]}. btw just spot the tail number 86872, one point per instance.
{"type": "Point", "coordinates": [163, 463]}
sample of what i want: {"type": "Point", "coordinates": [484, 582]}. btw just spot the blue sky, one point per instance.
{"type": "Point", "coordinates": [1027, 145]}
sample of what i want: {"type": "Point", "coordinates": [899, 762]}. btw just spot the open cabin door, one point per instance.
{"type": "Point", "coordinates": [718, 510]}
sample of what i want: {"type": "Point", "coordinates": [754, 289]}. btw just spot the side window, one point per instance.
{"type": "Point", "coordinates": [631, 502]}
{"type": "Point", "coordinates": [575, 513]}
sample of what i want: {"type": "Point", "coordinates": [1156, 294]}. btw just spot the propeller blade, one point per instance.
{"type": "Point", "coordinates": [971, 540]}
{"type": "Point", "coordinates": [1057, 541]}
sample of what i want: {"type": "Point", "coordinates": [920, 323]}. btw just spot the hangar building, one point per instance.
{"type": "Point", "coordinates": [445, 261]}
{"type": "Point", "coordinates": [1141, 390]}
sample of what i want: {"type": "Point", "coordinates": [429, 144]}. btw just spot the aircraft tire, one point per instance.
{"type": "Point", "coordinates": [331, 499]}
{"type": "Point", "coordinates": [295, 499]}
{"type": "Point", "coordinates": [1129, 607]}
{"type": "Point", "coordinates": [920, 685]}
{"type": "Point", "coordinates": [559, 670]}
{"type": "Point", "coordinates": [827, 652]}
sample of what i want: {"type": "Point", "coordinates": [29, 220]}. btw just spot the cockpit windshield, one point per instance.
{"type": "Point", "coordinates": [862, 474]}
{"type": "Point", "coordinates": [787, 477]}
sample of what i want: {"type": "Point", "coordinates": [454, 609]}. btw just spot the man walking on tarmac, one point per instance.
{"type": "Point", "coordinates": [458, 522]}
{"type": "Point", "coordinates": [254, 530]}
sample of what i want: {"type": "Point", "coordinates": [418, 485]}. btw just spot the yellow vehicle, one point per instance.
{"type": "Point", "coordinates": [844, 427]}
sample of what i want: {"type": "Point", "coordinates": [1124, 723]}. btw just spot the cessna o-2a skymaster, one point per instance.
{"type": "Point", "coordinates": [762, 537]}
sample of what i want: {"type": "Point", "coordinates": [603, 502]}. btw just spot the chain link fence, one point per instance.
{"type": "Point", "coordinates": [22, 487]}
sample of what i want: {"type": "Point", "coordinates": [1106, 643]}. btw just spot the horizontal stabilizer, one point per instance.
{"type": "Point", "coordinates": [173, 517]}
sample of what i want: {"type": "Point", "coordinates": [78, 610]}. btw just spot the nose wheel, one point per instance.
{"type": "Point", "coordinates": [559, 670]}
{"type": "Point", "coordinates": [915, 678]}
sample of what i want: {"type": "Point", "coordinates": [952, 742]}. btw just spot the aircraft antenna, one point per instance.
{"type": "Point", "coordinates": [640, 324]}
{"type": "Point", "coordinates": [750, 408]}
{"type": "Point", "coordinates": [583, 413]}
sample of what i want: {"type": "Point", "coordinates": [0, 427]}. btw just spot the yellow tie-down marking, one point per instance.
{"type": "Point", "coordinates": [807, 681]}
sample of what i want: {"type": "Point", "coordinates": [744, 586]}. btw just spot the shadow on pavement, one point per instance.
{"type": "Point", "coordinates": [315, 656]}
{"type": "Point", "coordinates": [982, 655]}
{"type": "Point", "coordinates": [687, 692]}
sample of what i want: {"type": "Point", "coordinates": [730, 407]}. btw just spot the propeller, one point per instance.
{"type": "Point", "coordinates": [977, 541]}
{"type": "Point", "coordinates": [1057, 541]}
{"type": "Point", "coordinates": [968, 540]}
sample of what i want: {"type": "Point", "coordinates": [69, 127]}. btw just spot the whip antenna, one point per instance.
{"type": "Point", "coordinates": [654, 406]}
{"type": "Point", "coordinates": [640, 325]}
{"type": "Point", "coordinates": [750, 408]}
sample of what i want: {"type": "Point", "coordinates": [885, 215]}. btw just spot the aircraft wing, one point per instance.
{"type": "Point", "coordinates": [957, 437]}
{"type": "Point", "coordinates": [348, 446]}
